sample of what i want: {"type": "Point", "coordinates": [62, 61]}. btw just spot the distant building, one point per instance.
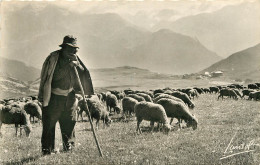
{"type": "Point", "coordinates": [217, 74]}
{"type": "Point", "coordinates": [207, 74]}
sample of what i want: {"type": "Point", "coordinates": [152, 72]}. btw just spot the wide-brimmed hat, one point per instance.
{"type": "Point", "coordinates": [69, 40]}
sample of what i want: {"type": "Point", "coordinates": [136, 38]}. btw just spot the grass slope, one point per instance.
{"type": "Point", "coordinates": [218, 122]}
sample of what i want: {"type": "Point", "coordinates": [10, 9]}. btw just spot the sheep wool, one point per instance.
{"type": "Point", "coordinates": [178, 110]}
{"type": "Point", "coordinates": [128, 105]}
{"type": "Point", "coordinates": [166, 96]}
{"type": "Point", "coordinates": [151, 112]}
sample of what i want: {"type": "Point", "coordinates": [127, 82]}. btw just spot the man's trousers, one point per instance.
{"type": "Point", "coordinates": [62, 109]}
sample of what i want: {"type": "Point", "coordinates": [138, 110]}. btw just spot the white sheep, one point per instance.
{"type": "Point", "coordinates": [156, 99]}
{"type": "Point", "coordinates": [145, 96]}
{"type": "Point", "coordinates": [17, 116]}
{"type": "Point", "coordinates": [112, 102]}
{"type": "Point", "coordinates": [96, 109]}
{"type": "Point", "coordinates": [153, 113]}
{"type": "Point", "coordinates": [179, 110]}
{"type": "Point", "coordinates": [128, 104]}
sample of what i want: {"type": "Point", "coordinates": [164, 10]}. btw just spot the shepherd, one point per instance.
{"type": "Point", "coordinates": [57, 91]}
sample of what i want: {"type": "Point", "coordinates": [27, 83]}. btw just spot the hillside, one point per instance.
{"type": "Point", "coordinates": [226, 31]}
{"type": "Point", "coordinates": [103, 79]}
{"type": "Point", "coordinates": [11, 88]}
{"type": "Point", "coordinates": [18, 70]}
{"type": "Point", "coordinates": [105, 41]}
{"type": "Point", "coordinates": [241, 65]}
{"type": "Point", "coordinates": [169, 52]}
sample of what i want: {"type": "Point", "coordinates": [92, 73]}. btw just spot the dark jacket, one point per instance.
{"type": "Point", "coordinates": [47, 74]}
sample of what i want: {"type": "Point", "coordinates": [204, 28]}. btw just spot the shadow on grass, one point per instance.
{"type": "Point", "coordinates": [24, 160]}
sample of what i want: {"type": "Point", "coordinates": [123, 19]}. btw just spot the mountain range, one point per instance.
{"type": "Point", "coordinates": [225, 31]}
{"type": "Point", "coordinates": [105, 40]}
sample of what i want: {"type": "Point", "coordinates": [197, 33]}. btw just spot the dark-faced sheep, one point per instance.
{"type": "Point", "coordinates": [16, 116]}
{"type": "Point", "coordinates": [97, 111]}
{"type": "Point", "coordinates": [193, 93]}
{"type": "Point", "coordinates": [153, 113]}
{"type": "Point", "coordinates": [34, 110]}
{"type": "Point", "coordinates": [179, 111]}
{"type": "Point", "coordinates": [112, 103]}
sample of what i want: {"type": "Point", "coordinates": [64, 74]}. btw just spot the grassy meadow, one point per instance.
{"type": "Point", "coordinates": [219, 122]}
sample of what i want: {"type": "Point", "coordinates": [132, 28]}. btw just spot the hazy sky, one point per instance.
{"type": "Point", "coordinates": [181, 7]}
{"type": "Point", "coordinates": [144, 14]}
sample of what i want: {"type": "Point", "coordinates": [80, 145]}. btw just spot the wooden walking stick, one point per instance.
{"type": "Point", "coordinates": [86, 106]}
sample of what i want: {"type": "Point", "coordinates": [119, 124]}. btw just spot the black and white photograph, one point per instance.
{"type": "Point", "coordinates": [138, 82]}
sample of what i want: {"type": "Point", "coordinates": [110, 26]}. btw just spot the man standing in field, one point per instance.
{"type": "Point", "coordinates": [57, 94]}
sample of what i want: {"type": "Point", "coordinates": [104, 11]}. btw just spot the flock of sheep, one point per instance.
{"type": "Point", "coordinates": [156, 106]}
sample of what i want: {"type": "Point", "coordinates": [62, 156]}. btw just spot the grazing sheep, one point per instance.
{"type": "Point", "coordinates": [112, 102]}
{"type": "Point", "coordinates": [156, 99]}
{"type": "Point", "coordinates": [104, 96]}
{"type": "Point", "coordinates": [168, 91]}
{"type": "Point", "coordinates": [145, 96]}
{"type": "Point", "coordinates": [137, 97]}
{"type": "Point", "coordinates": [246, 92]}
{"type": "Point", "coordinates": [258, 84]}
{"type": "Point", "coordinates": [238, 86]}
{"type": "Point", "coordinates": [99, 96]}
{"type": "Point", "coordinates": [80, 104]}
{"type": "Point", "coordinates": [231, 86]}
{"type": "Point", "coordinates": [254, 95]}
{"type": "Point", "coordinates": [153, 113]}
{"type": "Point", "coordinates": [128, 104]}
{"type": "Point", "coordinates": [228, 92]}
{"type": "Point", "coordinates": [206, 90]}
{"type": "Point", "coordinates": [128, 91]}
{"type": "Point", "coordinates": [148, 93]}
{"type": "Point", "coordinates": [186, 90]}
{"type": "Point", "coordinates": [193, 93]}
{"type": "Point", "coordinates": [199, 90]}
{"type": "Point", "coordinates": [121, 95]}
{"type": "Point", "coordinates": [34, 110]}
{"type": "Point", "coordinates": [179, 110]}
{"type": "Point", "coordinates": [2, 102]}
{"type": "Point", "coordinates": [159, 94]}
{"type": "Point", "coordinates": [184, 97]}
{"type": "Point", "coordinates": [96, 109]}
{"type": "Point", "coordinates": [252, 86]}
{"type": "Point", "coordinates": [16, 116]}
{"type": "Point", "coordinates": [157, 91]}
{"type": "Point", "coordinates": [214, 89]}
